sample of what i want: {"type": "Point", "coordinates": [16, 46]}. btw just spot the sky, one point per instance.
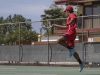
{"type": "Point", "coordinates": [30, 9]}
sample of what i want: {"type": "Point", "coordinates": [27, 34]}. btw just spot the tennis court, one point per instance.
{"type": "Point", "coordinates": [46, 70]}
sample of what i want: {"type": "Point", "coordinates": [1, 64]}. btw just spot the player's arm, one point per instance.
{"type": "Point", "coordinates": [59, 26]}
{"type": "Point", "coordinates": [71, 22]}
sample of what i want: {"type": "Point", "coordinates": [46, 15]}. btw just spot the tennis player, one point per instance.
{"type": "Point", "coordinates": [67, 39]}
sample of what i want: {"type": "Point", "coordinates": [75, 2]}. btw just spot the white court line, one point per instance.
{"type": "Point", "coordinates": [43, 74]}
{"type": "Point", "coordinates": [58, 70]}
{"type": "Point", "coordinates": [8, 68]}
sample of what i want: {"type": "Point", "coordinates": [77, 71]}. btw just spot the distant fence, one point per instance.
{"type": "Point", "coordinates": [32, 53]}
{"type": "Point", "coordinates": [92, 52]}
{"type": "Point", "coordinates": [89, 52]}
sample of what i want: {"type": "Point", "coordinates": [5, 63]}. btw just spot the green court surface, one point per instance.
{"type": "Point", "coordinates": [46, 70]}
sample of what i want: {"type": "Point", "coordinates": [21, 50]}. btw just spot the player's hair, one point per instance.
{"type": "Point", "coordinates": [71, 11]}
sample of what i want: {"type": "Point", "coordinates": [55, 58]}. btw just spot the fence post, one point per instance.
{"type": "Point", "coordinates": [19, 43]}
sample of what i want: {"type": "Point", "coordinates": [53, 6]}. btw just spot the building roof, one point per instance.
{"type": "Point", "coordinates": [73, 2]}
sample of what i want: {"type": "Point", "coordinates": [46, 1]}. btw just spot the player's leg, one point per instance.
{"type": "Point", "coordinates": [62, 41]}
{"type": "Point", "coordinates": [76, 56]}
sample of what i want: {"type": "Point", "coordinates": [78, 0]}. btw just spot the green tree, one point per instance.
{"type": "Point", "coordinates": [53, 12]}
{"type": "Point", "coordinates": [28, 35]}
{"type": "Point", "coordinates": [9, 33]}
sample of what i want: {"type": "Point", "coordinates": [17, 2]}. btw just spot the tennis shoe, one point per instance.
{"type": "Point", "coordinates": [80, 67]}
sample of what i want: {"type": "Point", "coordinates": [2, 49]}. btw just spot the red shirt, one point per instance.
{"type": "Point", "coordinates": [71, 28]}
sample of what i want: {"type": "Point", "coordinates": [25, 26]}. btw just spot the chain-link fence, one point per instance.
{"type": "Point", "coordinates": [18, 51]}
{"type": "Point", "coordinates": [32, 53]}
{"type": "Point", "coordinates": [57, 53]}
